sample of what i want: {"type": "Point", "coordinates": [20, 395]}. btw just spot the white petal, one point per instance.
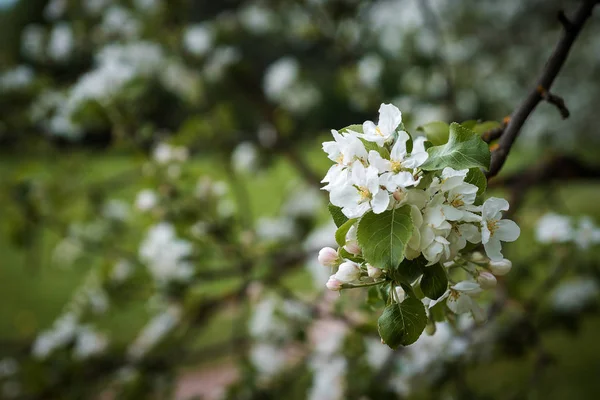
{"type": "Point", "coordinates": [493, 249]}
{"type": "Point", "coordinates": [451, 213]}
{"type": "Point", "coordinates": [404, 179]}
{"type": "Point", "coordinates": [507, 230]}
{"type": "Point", "coordinates": [399, 150]}
{"type": "Point", "coordinates": [369, 128]}
{"type": "Point", "coordinates": [442, 297]}
{"type": "Point", "coordinates": [493, 206]}
{"type": "Point", "coordinates": [459, 304]}
{"type": "Point", "coordinates": [380, 201]}
{"type": "Point", "coordinates": [389, 118]}
{"type": "Point", "coordinates": [468, 287]}
{"type": "Point", "coordinates": [470, 233]}
{"type": "Point", "coordinates": [378, 162]}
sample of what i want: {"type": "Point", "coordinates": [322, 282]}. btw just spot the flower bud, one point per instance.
{"type": "Point", "coordinates": [334, 284]}
{"type": "Point", "coordinates": [486, 280]}
{"type": "Point", "coordinates": [400, 293]}
{"type": "Point", "coordinates": [328, 257]}
{"type": "Point", "coordinates": [352, 247]}
{"type": "Point", "coordinates": [374, 272]}
{"type": "Point", "coordinates": [348, 272]}
{"type": "Point", "coordinates": [398, 195]}
{"type": "Point", "coordinates": [477, 257]}
{"type": "Point", "coordinates": [500, 268]}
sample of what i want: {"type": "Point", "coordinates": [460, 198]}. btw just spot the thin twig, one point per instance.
{"type": "Point", "coordinates": [549, 74]}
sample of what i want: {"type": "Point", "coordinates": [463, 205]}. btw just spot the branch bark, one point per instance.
{"type": "Point", "coordinates": [550, 72]}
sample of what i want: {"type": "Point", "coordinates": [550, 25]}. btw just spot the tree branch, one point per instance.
{"type": "Point", "coordinates": [551, 70]}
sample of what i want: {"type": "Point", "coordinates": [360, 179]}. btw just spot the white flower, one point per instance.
{"type": "Point", "coordinates": [360, 193]}
{"type": "Point", "coordinates": [146, 200]}
{"type": "Point", "coordinates": [61, 42]}
{"type": "Point", "coordinates": [459, 299]}
{"type": "Point", "coordinates": [244, 157]}
{"type": "Point", "coordinates": [198, 39]}
{"type": "Point", "coordinates": [494, 229]}
{"type": "Point", "coordinates": [165, 255]}
{"type": "Point", "coordinates": [554, 228]}
{"type": "Point", "coordinates": [586, 233]}
{"type": "Point", "coordinates": [345, 149]}
{"type": "Point", "coordinates": [389, 120]}
{"type": "Point", "coordinates": [500, 268]}
{"type": "Point", "coordinates": [280, 76]}
{"type": "Point", "coordinates": [88, 343]}
{"type": "Point", "coordinates": [165, 153]}
{"type": "Point", "coordinates": [348, 271]}
{"type": "Point", "coordinates": [574, 295]}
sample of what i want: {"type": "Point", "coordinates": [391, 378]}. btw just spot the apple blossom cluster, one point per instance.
{"type": "Point", "coordinates": [399, 201]}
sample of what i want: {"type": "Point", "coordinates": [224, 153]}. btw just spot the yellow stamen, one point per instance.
{"type": "Point", "coordinates": [378, 131]}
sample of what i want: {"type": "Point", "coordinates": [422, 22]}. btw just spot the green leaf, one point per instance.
{"type": "Point", "coordinates": [374, 297]}
{"type": "Point", "coordinates": [338, 216]}
{"type": "Point", "coordinates": [477, 177]}
{"type": "Point", "coordinates": [340, 234]}
{"type": "Point", "coordinates": [383, 237]}
{"type": "Point", "coordinates": [354, 128]}
{"type": "Point", "coordinates": [464, 149]}
{"type": "Point", "coordinates": [434, 282]}
{"type": "Point", "coordinates": [383, 152]}
{"type": "Point", "coordinates": [402, 324]}
{"type": "Point", "coordinates": [409, 270]}
{"type": "Point", "coordinates": [438, 312]}
{"type": "Point", "coordinates": [469, 124]}
{"type": "Point", "coordinates": [345, 254]}
{"type": "Point", "coordinates": [483, 127]}
{"type": "Point", "coordinates": [436, 132]}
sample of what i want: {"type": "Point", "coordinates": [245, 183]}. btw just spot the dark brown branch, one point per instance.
{"type": "Point", "coordinates": [555, 100]}
{"type": "Point", "coordinates": [495, 133]}
{"type": "Point", "coordinates": [551, 70]}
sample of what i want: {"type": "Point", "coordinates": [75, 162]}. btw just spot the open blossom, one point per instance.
{"type": "Point", "coordinates": [389, 120]}
{"type": "Point", "coordinates": [459, 299]}
{"type": "Point", "coordinates": [494, 229]}
{"type": "Point", "coordinates": [361, 192]}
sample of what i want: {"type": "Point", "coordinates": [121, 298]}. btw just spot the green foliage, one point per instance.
{"type": "Point", "coordinates": [383, 237]}
{"type": "Point", "coordinates": [476, 177]}
{"type": "Point", "coordinates": [338, 216]}
{"type": "Point", "coordinates": [434, 281]}
{"type": "Point", "coordinates": [464, 149]}
{"type": "Point", "coordinates": [408, 270]}
{"type": "Point", "coordinates": [436, 132]}
{"type": "Point", "coordinates": [340, 234]}
{"type": "Point", "coordinates": [402, 324]}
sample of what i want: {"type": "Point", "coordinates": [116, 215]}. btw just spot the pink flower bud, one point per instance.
{"type": "Point", "coordinates": [328, 257]}
{"type": "Point", "coordinates": [334, 284]}
{"type": "Point", "coordinates": [348, 272]}
{"type": "Point", "coordinates": [373, 272]}
{"type": "Point", "coordinates": [500, 268]}
{"type": "Point", "coordinates": [486, 280]}
{"type": "Point", "coordinates": [352, 247]}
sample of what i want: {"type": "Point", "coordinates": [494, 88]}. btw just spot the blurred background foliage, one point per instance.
{"type": "Point", "coordinates": [160, 214]}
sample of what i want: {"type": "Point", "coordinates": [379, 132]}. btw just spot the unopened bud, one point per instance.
{"type": "Point", "coordinates": [398, 195]}
{"type": "Point", "coordinates": [328, 257]}
{"type": "Point", "coordinates": [352, 247]}
{"type": "Point", "coordinates": [334, 284]}
{"type": "Point", "coordinates": [348, 272]}
{"type": "Point", "coordinates": [374, 272]}
{"type": "Point", "coordinates": [400, 293]}
{"type": "Point", "coordinates": [477, 257]}
{"type": "Point", "coordinates": [500, 268]}
{"type": "Point", "coordinates": [486, 280]}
